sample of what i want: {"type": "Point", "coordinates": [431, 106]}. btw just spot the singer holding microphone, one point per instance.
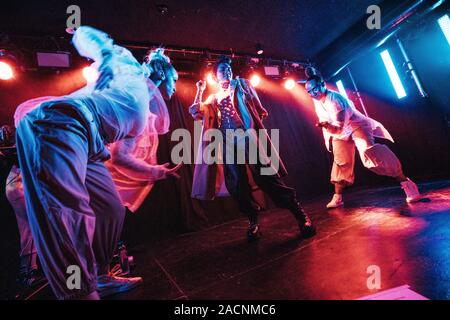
{"type": "Point", "coordinates": [236, 106]}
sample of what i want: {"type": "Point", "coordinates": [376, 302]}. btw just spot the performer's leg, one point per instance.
{"type": "Point", "coordinates": [342, 172]}
{"type": "Point", "coordinates": [381, 160]}
{"type": "Point", "coordinates": [237, 183]}
{"type": "Point", "coordinates": [29, 275]}
{"type": "Point", "coordinates": [284, 197]}
{"type": "Point", "coordinates": [109, 214]}
{"type": "Point", "coordinates": [376, 157]}
{"type": "Point", "coordinates": [339, 188]}
{"type": "Point", "coordinates": [52, 145]}
{"type": "Point", "coordinates": [15, 196]}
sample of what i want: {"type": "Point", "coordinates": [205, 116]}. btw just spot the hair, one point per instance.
{"type": "Point", "coordinates": [219, 61]}
{"type": "Point", "coordinates": [316, 78]}
{"type": "Point", "coordinates": [311, 71]}
{"type": "Point", "coordinates": [156, 60]}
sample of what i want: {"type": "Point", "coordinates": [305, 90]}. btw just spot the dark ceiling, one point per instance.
{"type": "Point", "coordinates": [288, 29]}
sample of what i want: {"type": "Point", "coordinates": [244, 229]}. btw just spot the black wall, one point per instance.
{"type": "Point", "coordinates": [419, 125]}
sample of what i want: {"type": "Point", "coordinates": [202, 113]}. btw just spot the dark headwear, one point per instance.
{"type": "Point", "coordinates": [220, 60]}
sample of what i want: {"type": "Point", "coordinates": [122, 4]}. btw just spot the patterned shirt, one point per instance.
{"type": "Point", "coordinates": [229, 118]}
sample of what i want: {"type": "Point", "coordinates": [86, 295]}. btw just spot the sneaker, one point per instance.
{"type": "Point", "coordinates": [108, 285]}
{"type": "Point", "coordinates": [253, 233]}
{"type": "Point", "coordinates": [411, 191]}
{"type": "Point", "coordinates": [336, 202]}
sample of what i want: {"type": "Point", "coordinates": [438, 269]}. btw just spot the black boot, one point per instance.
{"type": "Point", "coordinates": [253, 233]}
{"type": "Point", "coordinates": [307, 230]}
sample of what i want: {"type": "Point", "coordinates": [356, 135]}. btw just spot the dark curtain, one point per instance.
{"type": "Point", "coordinates": [169, 209]}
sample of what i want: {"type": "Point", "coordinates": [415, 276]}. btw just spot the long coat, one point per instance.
{"type": "Point", "coordinates": [208, 179]}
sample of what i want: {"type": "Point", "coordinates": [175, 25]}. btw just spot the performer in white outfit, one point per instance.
{"type": "Point", "coordinates": [61, 148]}
{"type": "Point", "coordinates": [348, 128]}
{"type": "Point", "coordinates": [133, 166]}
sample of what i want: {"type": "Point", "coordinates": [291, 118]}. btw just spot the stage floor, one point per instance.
{"type": "Point", "coordinates": [409, 243]}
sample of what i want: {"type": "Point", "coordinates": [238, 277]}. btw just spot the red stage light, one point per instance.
{"type": "Point", "coordinates": [6, 71]}
{"type": "Point", "coordinates": [255, 80]}
{"type": "Point", "coordinates": [289, 84]}
{"type": "Point", "coordinates": [90, 74]}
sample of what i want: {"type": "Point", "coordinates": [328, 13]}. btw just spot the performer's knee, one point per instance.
{"type": "Point", "coordinates": [381, 160]}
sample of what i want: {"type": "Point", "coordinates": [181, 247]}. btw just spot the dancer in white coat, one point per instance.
{"type": "Point", "coordinates": [347, 127]}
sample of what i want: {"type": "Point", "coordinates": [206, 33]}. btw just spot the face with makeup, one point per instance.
{"type": "Point", "coordinates": [316, 89]}
{"type": "Point", "coordinates": [168, 86]}
{"type": "Point", "coordinates": [224, 73]}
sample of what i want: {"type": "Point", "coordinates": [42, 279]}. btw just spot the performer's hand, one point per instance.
{"type": "Point", "coordinates": [161, 172]}
{"type": "Point", "coordinates": [329, 127]}
{"type": "Point", "coordinates": [201, 85]}
{"type": "Point", "coordinates": [324, 124]}
{"type": "Point", "coordinates": [195, 109]}
{"type": "Point", "coordinates": [264, 115]}
{"type": "Point", "coordinates": [173, 171]}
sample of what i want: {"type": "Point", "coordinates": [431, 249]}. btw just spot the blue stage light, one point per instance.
{"type": "Point", "coordinates": [393, 75]}
{"type": "Point", "coordinates": [444, 23]}
{"type": "Point", "coordinates": [341, 88]}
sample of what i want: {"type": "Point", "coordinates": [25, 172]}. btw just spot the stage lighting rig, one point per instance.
{"type": "Point", "coordinates": [8, 65]}
{"type": "Point", "coordinates": [58, 59]}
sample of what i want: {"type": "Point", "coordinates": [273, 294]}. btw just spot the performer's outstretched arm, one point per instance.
{"type": "Point", "coordinates": [196, 108]}
{"type": "Point", "coordinates": [98, 46]}
{"type": "Point", "coordinates": [92, 43]}
{"type": "Point", "coordinates": [122, 157]}
{"type": "Point", "coordinates": [114, 61]}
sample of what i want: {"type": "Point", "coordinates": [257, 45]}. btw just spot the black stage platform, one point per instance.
{"type": "Point", "coordinates": [410, 244]}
